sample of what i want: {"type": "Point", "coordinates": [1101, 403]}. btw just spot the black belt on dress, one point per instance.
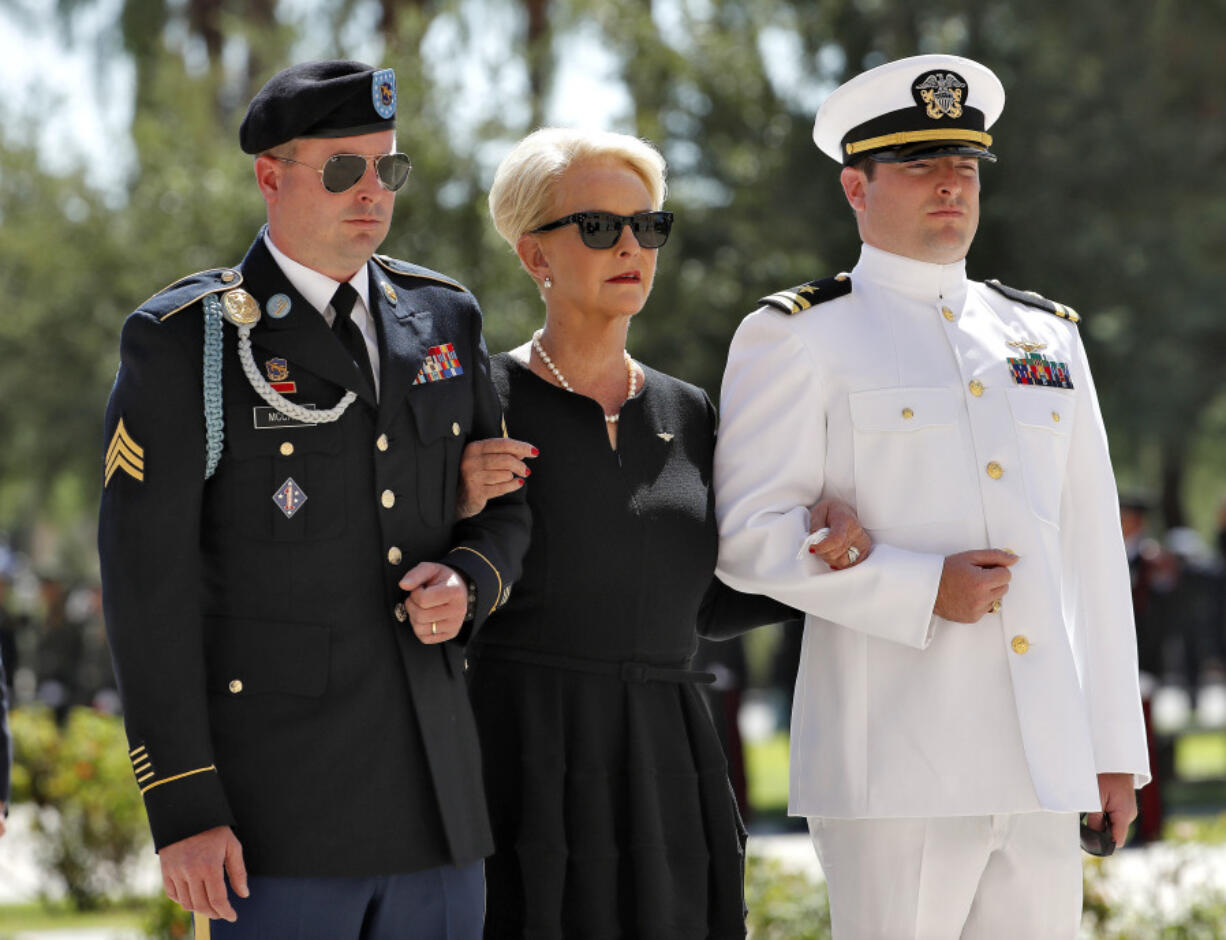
{"type": "Point", "coordinates": [627, 671]}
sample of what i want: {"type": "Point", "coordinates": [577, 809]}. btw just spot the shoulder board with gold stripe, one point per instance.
{"type": "Point", "coordinates": [795, 299]}
{"type": "Point", "coordinates": [1032, 299]}
{"type": "Point", "coordinates": [405, 269]}
{"type": "Point", "coordinates": [186, 291]}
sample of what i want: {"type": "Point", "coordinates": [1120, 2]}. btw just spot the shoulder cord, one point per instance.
{"type": "Point", "coordinates": [214, 420]}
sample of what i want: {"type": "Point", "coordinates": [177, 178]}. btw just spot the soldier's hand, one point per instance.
{"type": "Point", "coordinates": [437, 601]}
{"type": "Point", "coordinates": [972, 583]}
{"type": "Point", "coordinates": [489, 469]}
{"type": "Point", "coordinates": [193, 868]}
{"type": "Point", "coordinates": [1119, 800]}
{"type": "Point", "coordinates": [845, 533]}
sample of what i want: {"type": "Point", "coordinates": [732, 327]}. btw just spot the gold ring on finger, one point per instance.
{"type": "Point", "coordinates": [433, 628]}
{"type": "Point", "coordinates": [853, 555]}
{"type": "Point", "coordinates": [995, 608]}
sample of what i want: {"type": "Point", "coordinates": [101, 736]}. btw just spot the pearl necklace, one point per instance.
{"type": "Point", "coordinates": [632, 382]}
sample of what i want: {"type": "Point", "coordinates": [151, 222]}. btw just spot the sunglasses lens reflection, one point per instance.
{"type": "Point", "coordinates": [342, 171]}
{"type": "Point", "coordinates": [603, 229]}
{"type": "Point", "coordinates": [600, 230]}
{"type": "Point", "coordinates": [652, 228]}
{"type": "Point", "coordinates": [393, 169]}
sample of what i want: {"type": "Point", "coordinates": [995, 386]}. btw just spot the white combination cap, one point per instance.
{"type": "Point", "coordinates": [925, 105]}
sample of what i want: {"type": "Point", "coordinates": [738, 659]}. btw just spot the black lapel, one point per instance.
{"type": "Point", "coordinates": [404, 337]}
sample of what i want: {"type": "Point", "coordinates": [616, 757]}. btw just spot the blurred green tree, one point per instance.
{"type": "Point", "coordinates": [1109, 194]}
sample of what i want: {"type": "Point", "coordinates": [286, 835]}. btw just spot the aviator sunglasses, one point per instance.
{"type": "Point", "coordinates": [604, 229]}
{"type": "Point", "coordinates": [343, 170]}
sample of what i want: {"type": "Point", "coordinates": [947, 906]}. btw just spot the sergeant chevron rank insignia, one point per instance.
{"type": "Point", "coordinates": [124, 454]}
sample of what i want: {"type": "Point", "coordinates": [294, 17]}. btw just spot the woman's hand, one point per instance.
{"type": "Point", "coordinates": [846, 543]}
{"type": "Point", "coordinates": [489, 469]}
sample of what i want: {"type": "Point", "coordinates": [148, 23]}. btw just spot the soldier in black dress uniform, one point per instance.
{"type": "Point", "coordinates": [286, 582]}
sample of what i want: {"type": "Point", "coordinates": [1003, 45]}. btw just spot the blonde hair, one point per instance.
{"type": "Point", "coordinates": [521, 195]}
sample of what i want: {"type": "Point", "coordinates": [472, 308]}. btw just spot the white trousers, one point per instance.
{"type": "Point", "coordinates": [1007, 877]}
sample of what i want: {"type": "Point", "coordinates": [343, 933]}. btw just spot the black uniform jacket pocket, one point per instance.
{"type": "Point", "coordinates": [442, 414]}
{"type": "Point", "coordinates": [258, 467]}
{"type": "Point", "coordinates": [257, 657]}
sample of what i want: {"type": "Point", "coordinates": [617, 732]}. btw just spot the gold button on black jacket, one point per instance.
{"type": "Point", "coordinates": [267, 682]}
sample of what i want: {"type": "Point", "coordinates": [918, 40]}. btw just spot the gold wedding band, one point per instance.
{"type": "Point", "coordinates": [433, 628]}
{"type": "Point", "coordinates": [995, 608]}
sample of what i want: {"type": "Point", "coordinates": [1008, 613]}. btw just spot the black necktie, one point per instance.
{"type": "Point", "coordinates": [348, 332]}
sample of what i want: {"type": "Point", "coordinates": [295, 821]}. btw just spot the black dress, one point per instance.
{"type": "Point", "coordinates": [608, 790]}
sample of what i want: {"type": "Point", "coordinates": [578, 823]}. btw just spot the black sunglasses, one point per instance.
{"type": "Point", "coordinates": [604, 229]}
{"type": "Point", "coordinates": [343, 170]}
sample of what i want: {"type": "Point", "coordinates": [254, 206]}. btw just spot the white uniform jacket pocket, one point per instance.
{"type": "Point", "coordinates": [911, 464]}
{"type": "Point", "coordinates": [1044, 420]}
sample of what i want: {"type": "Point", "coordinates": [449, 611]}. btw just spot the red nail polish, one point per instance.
{"type": "Point", "coordinates": [812, 549]}
{"type": "Point", "coordinates": [520, 481]}
{"type": "Point", "coordinates": [535, 452]}
{"type": "Point", "coordinates": [527, 472]}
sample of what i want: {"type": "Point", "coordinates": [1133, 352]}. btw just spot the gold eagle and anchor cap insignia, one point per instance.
{"type": "Point", "coordinates": [915, 108]}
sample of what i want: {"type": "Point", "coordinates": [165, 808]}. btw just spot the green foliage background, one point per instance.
{"type": "Point", "coordinates": [1108, 195]}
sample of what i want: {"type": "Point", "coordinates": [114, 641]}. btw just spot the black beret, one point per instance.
{"type": "Point", "coordinates": [336, 98]}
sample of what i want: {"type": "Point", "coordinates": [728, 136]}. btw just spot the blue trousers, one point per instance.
{"type": "Point", "coordinates": [436, 904]}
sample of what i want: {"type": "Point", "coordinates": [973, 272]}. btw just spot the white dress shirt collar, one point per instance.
{"type": "Point", "coordinates": [921, 280]}
{"type": "Point", "coordinates": [317, 289]}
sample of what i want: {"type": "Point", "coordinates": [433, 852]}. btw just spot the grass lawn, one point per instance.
{"type": "Point", "coordinates": [20, 917]}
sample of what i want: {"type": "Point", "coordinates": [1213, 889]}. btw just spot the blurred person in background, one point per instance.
{"type": "Point", "coordinates": [608, 788]}
{"type": "Point", "coordinates": [6, 748]}
{"type": "Point", "coordinates": [1152, 575]}
{"type": "Point", "coordinates": [57, 656]}
{"type": "Point", "coordinates": [971, 687]}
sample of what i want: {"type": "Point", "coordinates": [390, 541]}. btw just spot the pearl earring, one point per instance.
{"type": "Point", "coordinates": [548, 281]}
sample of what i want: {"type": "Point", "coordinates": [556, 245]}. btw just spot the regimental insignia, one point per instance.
{"type": "Point", "coordinates": [441, 363]}
{"type": "Point", "coordinates": [278, 306]}
{"type": "Point", "coordinates": [124, 454]}
{"type": "Point", "coordinates": [383, 93]}
{"type": "Point", "coordinates": [389, 292]}
{"type": "Point", "coordinates": [941, 94]}
{"type": "Point", "coordinates": [240, 307]}
{"type": "Point", "coordinates": [277, 370]}
{"type": "Point", "coordinates": [278, 376]}
{"type": "Point", "coordinates": [289, 498]}
{"type": "Point", "coordinates": [1037, 369]}
{"type": "Point", "coordinates": [796, 299]}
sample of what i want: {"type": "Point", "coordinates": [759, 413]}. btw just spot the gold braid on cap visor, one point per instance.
{"type": "Point", "coordinates": [911, 137]}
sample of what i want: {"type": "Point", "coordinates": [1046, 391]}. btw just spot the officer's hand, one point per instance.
{"type": "Point", "coordinates": [192, 870]}
{"type": "Point", "coordinates": [845, 533]}
{"type": "Point", "coordinates": [972, 583]}
{"type": "Point", "coordinates": [437, 601]}
{"type": "Point", "coordinates": [489, 469]}
{"type": "Point", "coordinates": [1119, 799]}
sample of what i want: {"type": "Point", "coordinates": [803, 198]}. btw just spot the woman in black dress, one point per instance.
{"type": "Point", "coordinates": [608, 790]}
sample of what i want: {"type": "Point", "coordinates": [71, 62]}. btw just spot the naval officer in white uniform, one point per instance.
{"type": "Point", "coordinates": [970, 687]}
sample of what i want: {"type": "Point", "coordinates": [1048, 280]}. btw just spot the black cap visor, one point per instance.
{"type": "Point", "coordinates": [930, 149]}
